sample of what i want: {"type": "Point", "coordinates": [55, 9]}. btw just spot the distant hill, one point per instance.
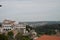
{"type": "Point", "coordinates": [45, 27]}
{"type": "Point", "coordinates": [41, 23]}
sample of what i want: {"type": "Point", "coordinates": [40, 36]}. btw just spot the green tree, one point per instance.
{"type": "Point", "coordinates": [3, 37]}
{"type": "Point", "coordinates": [0, 24]}
{"type": "Point", "coordinates": [26, 38]}
{"type": "Point", "coordinates": [28, 28]}
{"type": "Point", "coordinates": [10, 35]}
{"type": "Point", "coordinates": [50, 32]}
{"type": "Point", "coordinates": [18, 36]}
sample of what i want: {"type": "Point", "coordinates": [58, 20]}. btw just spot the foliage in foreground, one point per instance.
{"type": "Point", "coordinates": [47, 29]}
{"type": "Point", "coordinates": [3, 37]}
{"type": "Point", "coordinates": [19, 36]}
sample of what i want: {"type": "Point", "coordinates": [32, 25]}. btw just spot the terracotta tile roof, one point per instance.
{"type": "Point", "coordinates": [47, 37]}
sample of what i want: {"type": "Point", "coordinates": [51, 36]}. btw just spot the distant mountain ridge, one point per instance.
{"type": "Point", "coordinates": [49, 22]}
{"type": "Point", "coordinates": [41, 23]}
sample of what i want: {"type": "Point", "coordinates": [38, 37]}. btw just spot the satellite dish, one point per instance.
{"type": "Point", "coordinates": [0, 5]}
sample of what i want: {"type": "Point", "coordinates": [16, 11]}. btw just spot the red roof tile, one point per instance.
{"type": "Point", "coordinates": [47, 37]}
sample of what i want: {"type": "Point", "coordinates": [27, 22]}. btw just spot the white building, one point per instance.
{"type": "Point", "coordinates": [20, 28]}
{"type": "Point", "coordinates": [8, 25]}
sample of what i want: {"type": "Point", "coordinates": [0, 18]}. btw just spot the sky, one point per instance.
{"type": "Point", "coordinates": [30, 10]}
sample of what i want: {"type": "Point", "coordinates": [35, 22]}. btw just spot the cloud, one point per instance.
{"type": "Point", "coordinates": [30, 10]}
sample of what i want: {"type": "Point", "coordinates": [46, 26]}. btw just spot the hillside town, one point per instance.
{"type": "Point", "coordinates": [9, 25]}
{"type": "Point", "coordinates": [18, 30]}
{"type": "Point", "coordinates": [29, 19]}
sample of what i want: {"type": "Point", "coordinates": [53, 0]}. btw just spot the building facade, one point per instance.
{"type": "Point", "coordinates": [20, 28]}
{"type": "Point", "coordinates": [8, 25]}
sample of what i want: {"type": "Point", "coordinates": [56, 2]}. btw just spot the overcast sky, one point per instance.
{"type": "Point", "coordinates": [30, 10]}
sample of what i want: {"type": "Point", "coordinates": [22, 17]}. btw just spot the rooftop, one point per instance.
{"type": "Point", "coordinates": [47, 37]}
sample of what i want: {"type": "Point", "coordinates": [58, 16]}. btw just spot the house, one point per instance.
{"type": "Point", "coordinates": [20, 28]}
{"type": "Point", "coordinates": [7, 25]}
